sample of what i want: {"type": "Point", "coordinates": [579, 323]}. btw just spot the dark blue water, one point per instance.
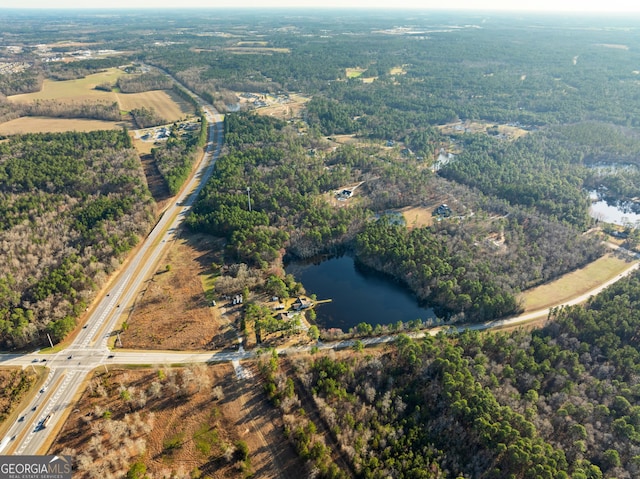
{"type": "Point", "coordinates": [357, 296]}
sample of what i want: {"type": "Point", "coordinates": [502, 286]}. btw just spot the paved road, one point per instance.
{"type": "Point", "coordinates": [68, 368]}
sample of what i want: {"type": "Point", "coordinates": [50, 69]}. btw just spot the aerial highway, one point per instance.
{"type": "Point", "coordinates": [68, 368]}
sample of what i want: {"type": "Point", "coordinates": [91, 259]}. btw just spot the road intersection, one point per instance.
{"type": "Point", "coordinates": [69, 368]}
{"type": "Point", "coordinates": [89, 350]}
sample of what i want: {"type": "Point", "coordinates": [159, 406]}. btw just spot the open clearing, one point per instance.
{"type": "Point", "coordinates": [80, 89]}
{"type": "Point", "coordinates": [53, 125]}
{"type": "Point", "coordinates": [354, 72]}
{"type": "Point", "coordinates": [510, 132]}
{"type": "Point", "coordinates": [398, 70]}
{"type": "Point", "coordinates": [165, 103]}
{"type": "Point", "coordinates": [419, 216]}
{"type": "Point", "coordinates": [192, 420]}
{"type": "Point", "coordinates": [173, 312]}
{"type": "Point", "coordinates": [256, 50]}
{"type": "Point", "coordinates": [285, 110]}
{"type": "Point", "coordinates": [575, 283]}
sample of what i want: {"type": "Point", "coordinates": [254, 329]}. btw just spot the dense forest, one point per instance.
{"type": "Point", "coordinates": [553, 403]}
{"type": "Point", "coordinates": [73, 205]}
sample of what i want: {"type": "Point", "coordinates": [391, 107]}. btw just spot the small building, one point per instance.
{"type": "Point", "coordinates": [442, 210]}
{"type": "Point", "coordinates": [300, 303]}
{"type": "Point", "coordinates": [344, 194]}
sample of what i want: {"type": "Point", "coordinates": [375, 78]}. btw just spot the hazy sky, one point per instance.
{"type": "Point", "coordinates": [537, 5]}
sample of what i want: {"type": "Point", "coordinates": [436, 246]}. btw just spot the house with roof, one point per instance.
{"type": "Point", "coordinates": [300, 303]}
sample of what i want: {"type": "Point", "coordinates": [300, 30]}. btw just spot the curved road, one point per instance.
{"type": "Point", "coordinates": [69, 368]}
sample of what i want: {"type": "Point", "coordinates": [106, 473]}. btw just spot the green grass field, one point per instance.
{"type": "Point", "coordinates": [574, 284]}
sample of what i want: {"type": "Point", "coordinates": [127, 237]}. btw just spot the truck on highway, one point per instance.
{"type": "Point", "coordinates": [45, 422]}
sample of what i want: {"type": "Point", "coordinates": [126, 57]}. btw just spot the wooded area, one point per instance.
{"type": "Point", "coordinates": [73, 204]}
{"type": "Point", "coordinates": [558, 402]}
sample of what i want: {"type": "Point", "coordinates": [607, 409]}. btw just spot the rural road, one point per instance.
{"type": "Point", "coordinates": [68, 369]}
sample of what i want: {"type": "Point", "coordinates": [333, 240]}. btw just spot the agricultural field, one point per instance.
{"type": "Point", "coordinates": [165, 103]}
{"type": "Point", "coordinates": [77, 90]}
{"type": "Point", "coordinates": [256, 50]}
{"type": "Point", "coordinates": [54, 125]}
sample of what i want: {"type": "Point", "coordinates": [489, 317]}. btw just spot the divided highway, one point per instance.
{"type": "Point", "coordinates": [69, 368]}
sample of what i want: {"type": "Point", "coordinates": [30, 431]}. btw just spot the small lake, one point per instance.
{"type": "Point", "coordinates": [617, 213]}
{"type": "Point", "coordinates": [357, 295]}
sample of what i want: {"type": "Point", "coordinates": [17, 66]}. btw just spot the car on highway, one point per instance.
{"type": "Point", "coordinates": [44, 389]}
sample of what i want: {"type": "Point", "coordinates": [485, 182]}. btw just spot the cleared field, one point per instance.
{"type": "Point", "coordinates": [54, 125]}
{"type": "Point", "coordinates": [354, 72]}
{"type": "Point", "coordinates": [285, 111]}
{"type": "Point", "coordinates": [398, 71]}
{"type": "Point", "coordinates": [419, 216]}
{"type": "Point", "coordinates": [576, 283]}
{"type": "Point", "coordinates": [165, 103]}
{"type": "Point", "coordinates": [257, 50]}
{"type": "Point", "coordinates": [80, 89]}
{"type": "Point", "coordinates": [508, 131]}
{"type": "Point", "coordinates": [173, 312]}
{"type": "Point", "coordinates": [168, 105]}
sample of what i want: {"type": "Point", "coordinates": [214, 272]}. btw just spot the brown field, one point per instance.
{"type": "Point", "coordinates": [53, 125]}
{"type": "Point", "coordinates": [166, 104]}
{"type": "Point", "coordinates": [252, 44]}
{"type": "Point", "coordinates": [143, 147]}
{"type": "Point", "coordinates": [172, 311]}
{"type": "Point", "coordinates": [418, 216]}
{"type": "Point", "coordinates": [398, 71]}
{"type": "Point", "coordinates": [257, 50]}
{"type": "Point", "coordinates": [80, 89]}
{"type": "Point", "coordinates": [191, 429]}
{"type": "Point", "coordinates": [510, 132]}
{"type": "Point", "coordinates": [575, 283]}
{"type": "Point", "coordinates": [285, 111]}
